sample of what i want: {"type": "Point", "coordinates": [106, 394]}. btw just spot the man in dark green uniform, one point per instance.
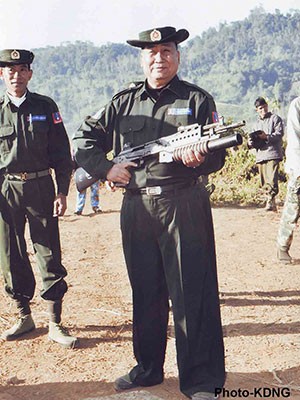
{"type": "Point", "coordinates": [166, 221]}
{"type": "Point", "coordinates": [33, 143]}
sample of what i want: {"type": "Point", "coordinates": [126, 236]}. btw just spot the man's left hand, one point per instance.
{"type": "Point", "coordinates": [60, 205]}
{"type": "Point", "coordinates": [192, 159]}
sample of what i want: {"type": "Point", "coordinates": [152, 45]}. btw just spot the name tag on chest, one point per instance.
{"type": "Point", "coordinates": [32, 118]}
{"type": "Point", "coordinates": [179, 111]}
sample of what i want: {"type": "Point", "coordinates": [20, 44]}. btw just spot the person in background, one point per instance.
{"type": "Point", "coordinates": [33, 143]}
{"type": "Point", "coordinates": [81, 199]}
{"type": "Point", "coordinates": [291, 210]}
{"type": "Point", "coordinates": [166, 220]}
{"type": "Point", "coordinates": [267, 140]}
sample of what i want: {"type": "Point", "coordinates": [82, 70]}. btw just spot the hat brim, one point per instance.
{"type": "Point", "coordinates": [14, 62]}
{"type": "Point", "coordinates": [177, 37]}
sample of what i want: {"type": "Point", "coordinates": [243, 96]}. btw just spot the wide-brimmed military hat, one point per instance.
{"type": "Point", "coordinates": [159, 35]}
{"type": "Point", "coordinates": [14, 56]}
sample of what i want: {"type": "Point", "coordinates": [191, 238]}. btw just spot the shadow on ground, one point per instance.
{"type": "Point", "coordinates": [275, 384]}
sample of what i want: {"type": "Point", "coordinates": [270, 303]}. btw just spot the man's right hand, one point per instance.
{"type": "Point", "coordinates": [119, 173]}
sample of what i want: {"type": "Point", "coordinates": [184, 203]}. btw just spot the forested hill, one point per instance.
{"type": "Point", "coordinates": [235, 62]}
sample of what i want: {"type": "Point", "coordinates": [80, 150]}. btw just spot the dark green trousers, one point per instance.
{"type": "Point", "coordinates": [170, 253]}
{"type": "Point", "coordinates": [32, 202]}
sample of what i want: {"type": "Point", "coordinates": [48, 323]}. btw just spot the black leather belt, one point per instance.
{"type": "Point", "coordinates": [158, 190]}
{"type": "Point", "coordinates": [25, 176]}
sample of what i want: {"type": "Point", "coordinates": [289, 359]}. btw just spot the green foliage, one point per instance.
{"type": "Point", "coordinates": [238, 181]}
{"type": "Point", "coordinates": [244, 59]}
{"type": "Point", "coordinates": [236, 63]}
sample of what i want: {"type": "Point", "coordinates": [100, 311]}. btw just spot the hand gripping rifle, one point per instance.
{"type": "Point", "coordinates": [205, 139]}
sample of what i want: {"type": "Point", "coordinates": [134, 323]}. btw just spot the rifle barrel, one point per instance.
{"type": "Point", "coordinates": [224, 142]}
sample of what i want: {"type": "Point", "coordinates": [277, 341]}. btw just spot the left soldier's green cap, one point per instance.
{"type": "Point", "coordinates": [14, 56]}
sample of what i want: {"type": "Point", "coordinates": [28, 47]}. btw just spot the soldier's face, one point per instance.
{"type": "Point", "coordinates": [16, 78]}
{"type": "Point", "coordinates": [262, 110]}
{"type": "Point", "coordinates": [160, 63]}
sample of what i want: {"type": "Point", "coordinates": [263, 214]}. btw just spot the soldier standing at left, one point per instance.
{"type": "Point", "coordinates": [33, 142]}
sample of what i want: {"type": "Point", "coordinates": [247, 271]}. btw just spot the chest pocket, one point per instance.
{"type": "Point", "coordinates": [133, 130]}
{"type": "Point", "coordinates": [37, 133]}
{"type": "Point", "coordinates": [7, 136]}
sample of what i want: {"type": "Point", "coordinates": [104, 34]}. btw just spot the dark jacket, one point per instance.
{"type": "Point", "coordinates": [272, 147]}
{"type": "Point", "coordinates": [33, 138]}
{"type": "Point", "coordinates": [134, 117]}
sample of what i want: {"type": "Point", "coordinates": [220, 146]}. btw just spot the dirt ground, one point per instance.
{"type": "Point", "coordinates": [260, 301]}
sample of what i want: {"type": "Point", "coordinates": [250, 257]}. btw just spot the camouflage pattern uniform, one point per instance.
{"type": "Point", "coordinates": [290, 214]}
{"type": "Point", "coordinates": [291, 210]}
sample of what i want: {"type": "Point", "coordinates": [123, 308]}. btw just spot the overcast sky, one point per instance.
{"type": "Point", "coordinates": [37, 23]}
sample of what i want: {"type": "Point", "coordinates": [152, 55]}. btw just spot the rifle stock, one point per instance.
{"type": "Point", "coordinates": [83, 179]}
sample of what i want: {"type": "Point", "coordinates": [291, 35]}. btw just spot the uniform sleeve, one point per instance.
{"type": "Point", "coordinates": [277, 131]}
{"type": "Point", "coordinates": [292, 164]}
{"type": "Point", "coordinates": [293, 120]}
{"type": "Point", "coordinates": [59, 151]}
{"type": "Point", "coordinates": [93, 140]}
{"type": "Point", "coordinates": [215, 161]}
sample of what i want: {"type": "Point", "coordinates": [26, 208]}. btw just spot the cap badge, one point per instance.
{"type": "Point", "coordinates": [155, 35]}
{"type": "Point", "coordinates": [15, 55]}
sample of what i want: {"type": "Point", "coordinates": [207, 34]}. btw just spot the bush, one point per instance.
{"type": "Point", "coordinates": [237, 183]}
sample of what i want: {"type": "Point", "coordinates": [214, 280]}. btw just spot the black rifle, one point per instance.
{"type": "Point", "coordinates": [256, 142]}
{"type": "Point", "coordinates": [205, 139]}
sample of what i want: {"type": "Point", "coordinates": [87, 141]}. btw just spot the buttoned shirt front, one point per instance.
{"type": "Point", "coordinates": [33, 138]}
{"type": "Point", "coordinates": [134, 117]}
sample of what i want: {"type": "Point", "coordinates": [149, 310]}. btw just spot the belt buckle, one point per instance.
{"type": "Point", "coordinates": [153, 190]}
{"type": "Point", "coordinates": [23, 176]}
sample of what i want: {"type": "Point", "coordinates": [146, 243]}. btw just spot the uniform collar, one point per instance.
{"type": "Point", "coordinates": [173, 86]}
{"type": "Point", "coordinates": [268, 115]}
{"type": "Point", "coordinates": [17, 101]}
{"type": "Point", "coordinates": [7, 99]}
